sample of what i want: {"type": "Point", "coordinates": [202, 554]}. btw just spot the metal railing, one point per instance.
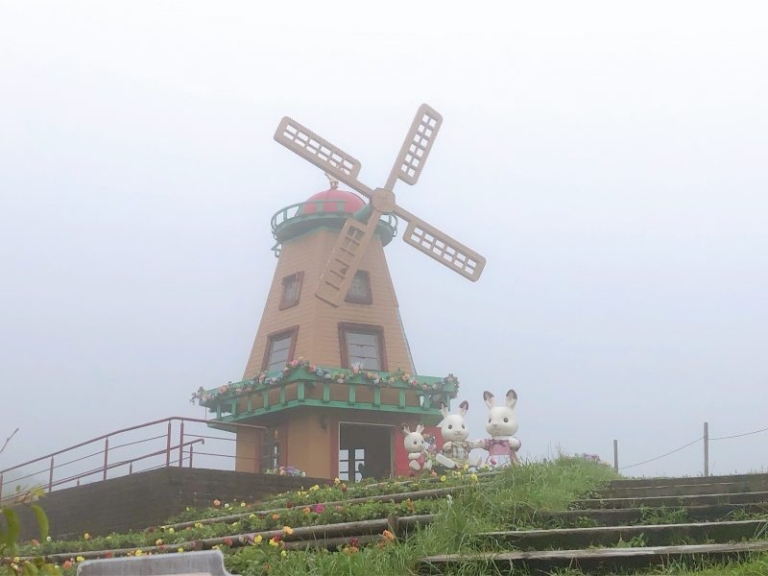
{"type": "Point", "coordinates": [128, 450]}
{"type": "Point", "coordinates": [320, 208]}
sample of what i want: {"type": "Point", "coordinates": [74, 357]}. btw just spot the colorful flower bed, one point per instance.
{"type": "Point", "coordinates": [300, 367]}
{"type": "Point", "coordinates": [259, 538]}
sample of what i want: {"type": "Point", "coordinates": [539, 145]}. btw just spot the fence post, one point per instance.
{"type": "Point", "coordinates": [706, 448]}
{"type": "Point", "coordinates": [181, 444]}
{"type": "Point", "coordinates": [106, 456]}
{"type": "Point", "coordinates": [168, 447]}
{"type": "Point", "coordinates": [50, 477]}
{"type": "Point", "coordinates": [616, 455]}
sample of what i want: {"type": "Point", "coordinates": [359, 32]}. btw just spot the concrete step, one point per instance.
{"type": "Point", "coordinates": [650, 535]}
{"type": "Point", "coordinates": [623, 516]}
{"type": "Point", "coordinates": [685, 481]}
{"type": "Point", "coordinates": [753, 485]}
{"type": "Point", "coordinates": [673, 501]}
{"type": "Point", "coordinates": [591, 561]}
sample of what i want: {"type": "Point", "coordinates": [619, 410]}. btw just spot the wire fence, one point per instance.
{"type": "Point", "coordinates": [739, 435]}
{"type": "Point", "coordinates": [683, 447]}
{"type": "Point", "coordinates": [705, 439]}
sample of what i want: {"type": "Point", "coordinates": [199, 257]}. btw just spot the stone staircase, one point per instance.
{"type": "Point", "coordinates": [630, 527]}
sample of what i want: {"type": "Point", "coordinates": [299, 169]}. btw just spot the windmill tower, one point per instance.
{"type": "Point", "coordinates": [330, 375]}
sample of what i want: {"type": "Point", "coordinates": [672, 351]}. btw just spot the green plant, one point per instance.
{"type": "Point", "coordinates": [10, 530]}
{"type": "Point", "coordinates": [634, 542]}
{"type": "Point", "coordinates": [662, 515]}
{"type": "Point", "coordinates": [10, 564]}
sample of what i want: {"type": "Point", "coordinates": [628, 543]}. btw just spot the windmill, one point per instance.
{"type": "Point", "coordinates": [331, 378]}
{"type": "Point", "coordinates": [358, 230]}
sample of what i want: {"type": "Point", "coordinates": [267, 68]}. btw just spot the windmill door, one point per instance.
{"type": "Point", "coordinates": [365, 451]}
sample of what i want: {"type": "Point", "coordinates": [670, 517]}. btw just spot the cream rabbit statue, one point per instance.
{"type": "Point", "coordinates": [418, 458]}
{"type": "Point", "coordinates": [456, 447]}
{"type": "Point", "coordinates": [502, 446]}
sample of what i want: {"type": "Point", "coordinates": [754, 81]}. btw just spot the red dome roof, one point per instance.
{"type": "Point", "coordinates": [333, 200]}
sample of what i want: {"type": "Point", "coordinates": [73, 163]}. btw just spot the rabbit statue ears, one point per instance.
{"type": "Point", "coordinates": [407, 429]}
{"type": "Point", "coordinates": [511, 399]}
{"type": "Point", "coordinates": [463, 407]}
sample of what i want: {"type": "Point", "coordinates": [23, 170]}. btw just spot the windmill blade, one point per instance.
{"type": "Point", "coordinates": [438, 245]}
{"type": "Point", "coordinates": [321, 153]}
{"type": "Point", "coordinates": [416, 147]}
{"type": "Point", "coordinates": [345, 259]}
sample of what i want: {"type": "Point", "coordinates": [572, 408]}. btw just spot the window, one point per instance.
{"type": "Point", "coordinates": [360, 289]}
{"type": "Point", "coordinates": [291, 290]}
{"type": "Point", "coordinates": [352, 464]}
{"type": "Point", "coordinates": [280, 348]}
{"type": "Point", "coordinates": [362, 345]}
{"type": "Point", "coordinates": [270, 450]}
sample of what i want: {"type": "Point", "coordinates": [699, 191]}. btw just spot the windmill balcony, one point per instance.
{"type": "Point", "coordinates": [317, 386]}
{"type": "Point", "coordinates": [297, 219]}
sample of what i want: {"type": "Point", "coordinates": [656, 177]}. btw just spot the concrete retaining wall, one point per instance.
{"type": "Point", "coordinates": [145, 499]}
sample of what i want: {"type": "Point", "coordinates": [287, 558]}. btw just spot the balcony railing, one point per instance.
{"type": "Point", "coordinates": [296, 217]}
{"type": "Point", "coordinates": [319, 386]}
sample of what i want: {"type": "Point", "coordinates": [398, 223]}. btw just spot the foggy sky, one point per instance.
{"type": "Point", "coordinates": [609, 161]}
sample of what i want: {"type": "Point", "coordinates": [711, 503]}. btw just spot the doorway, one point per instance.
{"type": "Point", "coordinates": [365, 451]}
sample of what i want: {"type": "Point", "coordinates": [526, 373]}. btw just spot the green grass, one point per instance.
{"type": "Point", "coordinates": [757, 565]}
{"type": "Point", "coordinates": [511, 498]}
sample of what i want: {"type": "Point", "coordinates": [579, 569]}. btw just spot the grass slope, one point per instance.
{"type": "Point", "coordinates": [256, 537]}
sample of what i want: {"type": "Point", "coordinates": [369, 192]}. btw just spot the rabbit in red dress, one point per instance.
{"type": "Point", "coordinates": [502, 446]}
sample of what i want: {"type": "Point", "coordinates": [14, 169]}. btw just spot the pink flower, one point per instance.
{"type": "Point", "coordinates": [318, 508]}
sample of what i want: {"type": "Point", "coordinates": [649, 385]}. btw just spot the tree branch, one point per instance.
{"type": "Point", "coordinates": [8, 440]}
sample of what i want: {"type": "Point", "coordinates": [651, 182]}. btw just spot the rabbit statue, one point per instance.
{"type": "Point", "coordinates": [456, 447]}
{"type": "Point", "coordinates": [418, 458]}
{"type": "Point", "coordinates": [502, 446]}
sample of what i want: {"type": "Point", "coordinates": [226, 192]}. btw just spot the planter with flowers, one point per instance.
{"type": "Point", "coordinates": [302, 382]}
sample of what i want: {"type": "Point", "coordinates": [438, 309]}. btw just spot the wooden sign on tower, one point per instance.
{"type": "Point", "coordinates": [330, 375]}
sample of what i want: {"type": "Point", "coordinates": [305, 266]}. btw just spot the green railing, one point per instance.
{"type": "Point", "coordinates": [317, 210]}
{"type": "Point", "coordinates": [303, 386]}
{"type": "Point", "coordinates": [321, 209]}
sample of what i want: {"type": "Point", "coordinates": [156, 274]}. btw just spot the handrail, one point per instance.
{"type": "Point", "coordinates": [118, 464]}
{"type": "Point", "coordinates": [121, 431]}
{"type": "Point", "coordinates": [170, 446]}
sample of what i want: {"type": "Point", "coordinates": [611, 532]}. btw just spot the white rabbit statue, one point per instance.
{"type": "Point", "coordinates": [456, 447]}
{"type": "Point", "coordinates": [417, 449]}
{"type": "Point", "coordinates": [502, 446]}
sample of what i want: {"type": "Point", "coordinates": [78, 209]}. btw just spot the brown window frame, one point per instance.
{"type": "Point", "coordinates": [368, 297]}
{"type": "Point", "coordinates": [289, 303]}
{"type": "Point", "coordinates": [378, 331]}
{"type": "Point", "coordinates": [293, 332]}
